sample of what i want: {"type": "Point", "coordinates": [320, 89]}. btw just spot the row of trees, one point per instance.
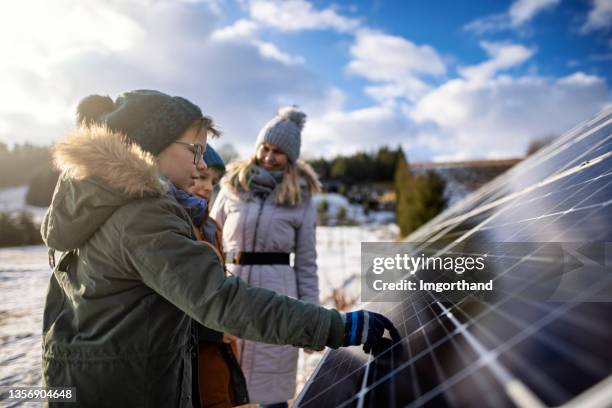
{"type": "Point", "coordinates": [359, 167]}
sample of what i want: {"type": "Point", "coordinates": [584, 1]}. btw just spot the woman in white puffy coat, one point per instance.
{"type": "Point", "coordinates": [266, 211]}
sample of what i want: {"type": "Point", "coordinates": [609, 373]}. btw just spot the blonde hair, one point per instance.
{"type": "Point", "coordinates": [288, 192]}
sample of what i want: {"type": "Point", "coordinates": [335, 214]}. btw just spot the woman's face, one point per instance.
{"type": "Point", "coordinates": [176, 161]}
{"type": "Point", "coordinates": [271, 158]}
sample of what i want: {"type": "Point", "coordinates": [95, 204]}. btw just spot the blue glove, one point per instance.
{"type": "Point", "coordinates": [367, 328]}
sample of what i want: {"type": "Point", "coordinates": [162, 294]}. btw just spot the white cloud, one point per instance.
{"type": "Point", "coordinates": [395, 64]}
{"type": "Point", "coordinates": [298, 15]}
{"type": "Point", "coordinates": [406, 87]}
{"type": "Point", "coordinates": [517, 16]}
{"type": "Point", "coordinates": [488, 115]}
{"type": "Point", "coordinates": [580, 79]}
{"type": "Point", "coordinates": [497, 117]}
{"type": "Point", "coordinates": [33, 41]}
{"type": "Point", "coordinates": [521, 11]}
{"type": "Point", "coordinates": [242, 30]}
{"type": "Point", "coordinates": [292, 15]}
{"type": "Point", "coordinates": [269, 50]}
{"type": "Point", "coordinates": [245, 31]}
{"type": "Point", "coordinates": [383, 57]}
{"type": "Point", "coordinates": [492, 23]}
{"type": "Point", "coordinates": [599, 17]}
{"type": "Point", "coordinates": [503, 56]}
{"type": "Point", "coordinates": [339, 131]}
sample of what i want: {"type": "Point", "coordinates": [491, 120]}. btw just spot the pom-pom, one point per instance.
{"type": "Point", "coordinates": [293, 114]}
{"type": "Point", "coordinates": [92, 107]}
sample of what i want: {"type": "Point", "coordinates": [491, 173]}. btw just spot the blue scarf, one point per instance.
{"type": "Point", "coordinates": [196, 207]}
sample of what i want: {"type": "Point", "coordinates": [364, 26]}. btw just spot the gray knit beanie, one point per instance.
{"type": "Point", "coordinates": [284, 131]}
{"type": "Point", "coordinates": [151, 119]}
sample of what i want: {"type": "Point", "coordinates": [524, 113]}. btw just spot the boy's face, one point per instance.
{"type": "Point", "coordinates": [178, 160]}
{"type": "Point", "coordinates": [204, 185]}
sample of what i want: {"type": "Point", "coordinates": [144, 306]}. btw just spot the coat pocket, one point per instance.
{"type": "Point", "coordinates": [65, 272]}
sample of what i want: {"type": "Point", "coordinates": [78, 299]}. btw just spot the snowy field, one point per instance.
{"type": "Point", "coordinates": [24, 275]}
{"type": "Point", "coordinates": [353, 212]}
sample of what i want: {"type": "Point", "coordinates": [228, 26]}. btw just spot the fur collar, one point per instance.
{"type": "Point", "coordinates": [98, 152]}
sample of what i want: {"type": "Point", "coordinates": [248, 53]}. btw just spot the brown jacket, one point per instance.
{"type": "Point", "coordinates": [220, 378]}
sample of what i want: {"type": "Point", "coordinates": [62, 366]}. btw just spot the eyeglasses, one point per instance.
{"type": "Point", "coordinates": [197, 150]}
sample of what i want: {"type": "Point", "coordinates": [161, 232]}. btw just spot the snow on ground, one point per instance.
{"type": "Point", "coordinates": [14, 199]}
{"type": "Point", "coordinates": [353, 211]}
{"type": "Point", "coordinates": [24, 276]}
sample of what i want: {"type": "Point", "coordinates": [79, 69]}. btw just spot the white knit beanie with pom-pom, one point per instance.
{"type": "Point", "coordinates": [284, 131]}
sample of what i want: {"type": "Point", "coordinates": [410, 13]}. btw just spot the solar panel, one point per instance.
{"type": "Point", "coordinates": [512, 350]}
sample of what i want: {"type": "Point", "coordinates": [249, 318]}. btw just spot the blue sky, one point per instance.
{"type": "Point", "coordinates": [447, 80]}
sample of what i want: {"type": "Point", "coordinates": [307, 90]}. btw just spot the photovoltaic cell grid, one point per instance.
{"type": "Point", "coordinates": [511, 351]}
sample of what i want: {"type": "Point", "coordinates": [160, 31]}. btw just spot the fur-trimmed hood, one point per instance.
{"type": "Point", "coordinates": [99, 173]}
{"type": "Point", "coordinates": [103, 154]}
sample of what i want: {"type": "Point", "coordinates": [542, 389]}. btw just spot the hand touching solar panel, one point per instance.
{"type": "Point", "coordinates": [367, 328]}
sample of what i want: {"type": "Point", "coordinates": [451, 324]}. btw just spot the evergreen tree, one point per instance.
{"type": "Point", "coordinates": [339, 169]}
{"type": "Point", "coordinates": [419, 197]}
{"type": "Point", "coordinates": [322, 212]}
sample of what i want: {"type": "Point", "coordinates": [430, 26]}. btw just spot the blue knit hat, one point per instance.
{"type": "Point", "coordinates": [212, 159]}
{"type": "Point", "coordinates": [284, 131]}
{"type": "Point", "coordinates": [151, 119]}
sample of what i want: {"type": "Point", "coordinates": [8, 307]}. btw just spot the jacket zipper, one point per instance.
{"type": "Point", "coordinates": [255, 238]}
{"type": "Point", "coordinates": [261, 205]}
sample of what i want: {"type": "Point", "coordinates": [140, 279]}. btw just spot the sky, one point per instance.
{"type": "Point", "coordinates": [446, 80]}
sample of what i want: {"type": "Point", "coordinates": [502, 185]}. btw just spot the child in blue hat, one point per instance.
{"type": "Point", "coordinates": [209, 178]}
{"type": "Point", "coordinates": [222, 383]}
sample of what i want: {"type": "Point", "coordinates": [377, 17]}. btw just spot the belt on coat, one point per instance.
{"type": "Point", "coordinates": [257, 258]}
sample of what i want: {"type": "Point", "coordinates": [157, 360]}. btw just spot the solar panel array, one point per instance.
{"type": "Point", "coordinates": [513, 350]}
